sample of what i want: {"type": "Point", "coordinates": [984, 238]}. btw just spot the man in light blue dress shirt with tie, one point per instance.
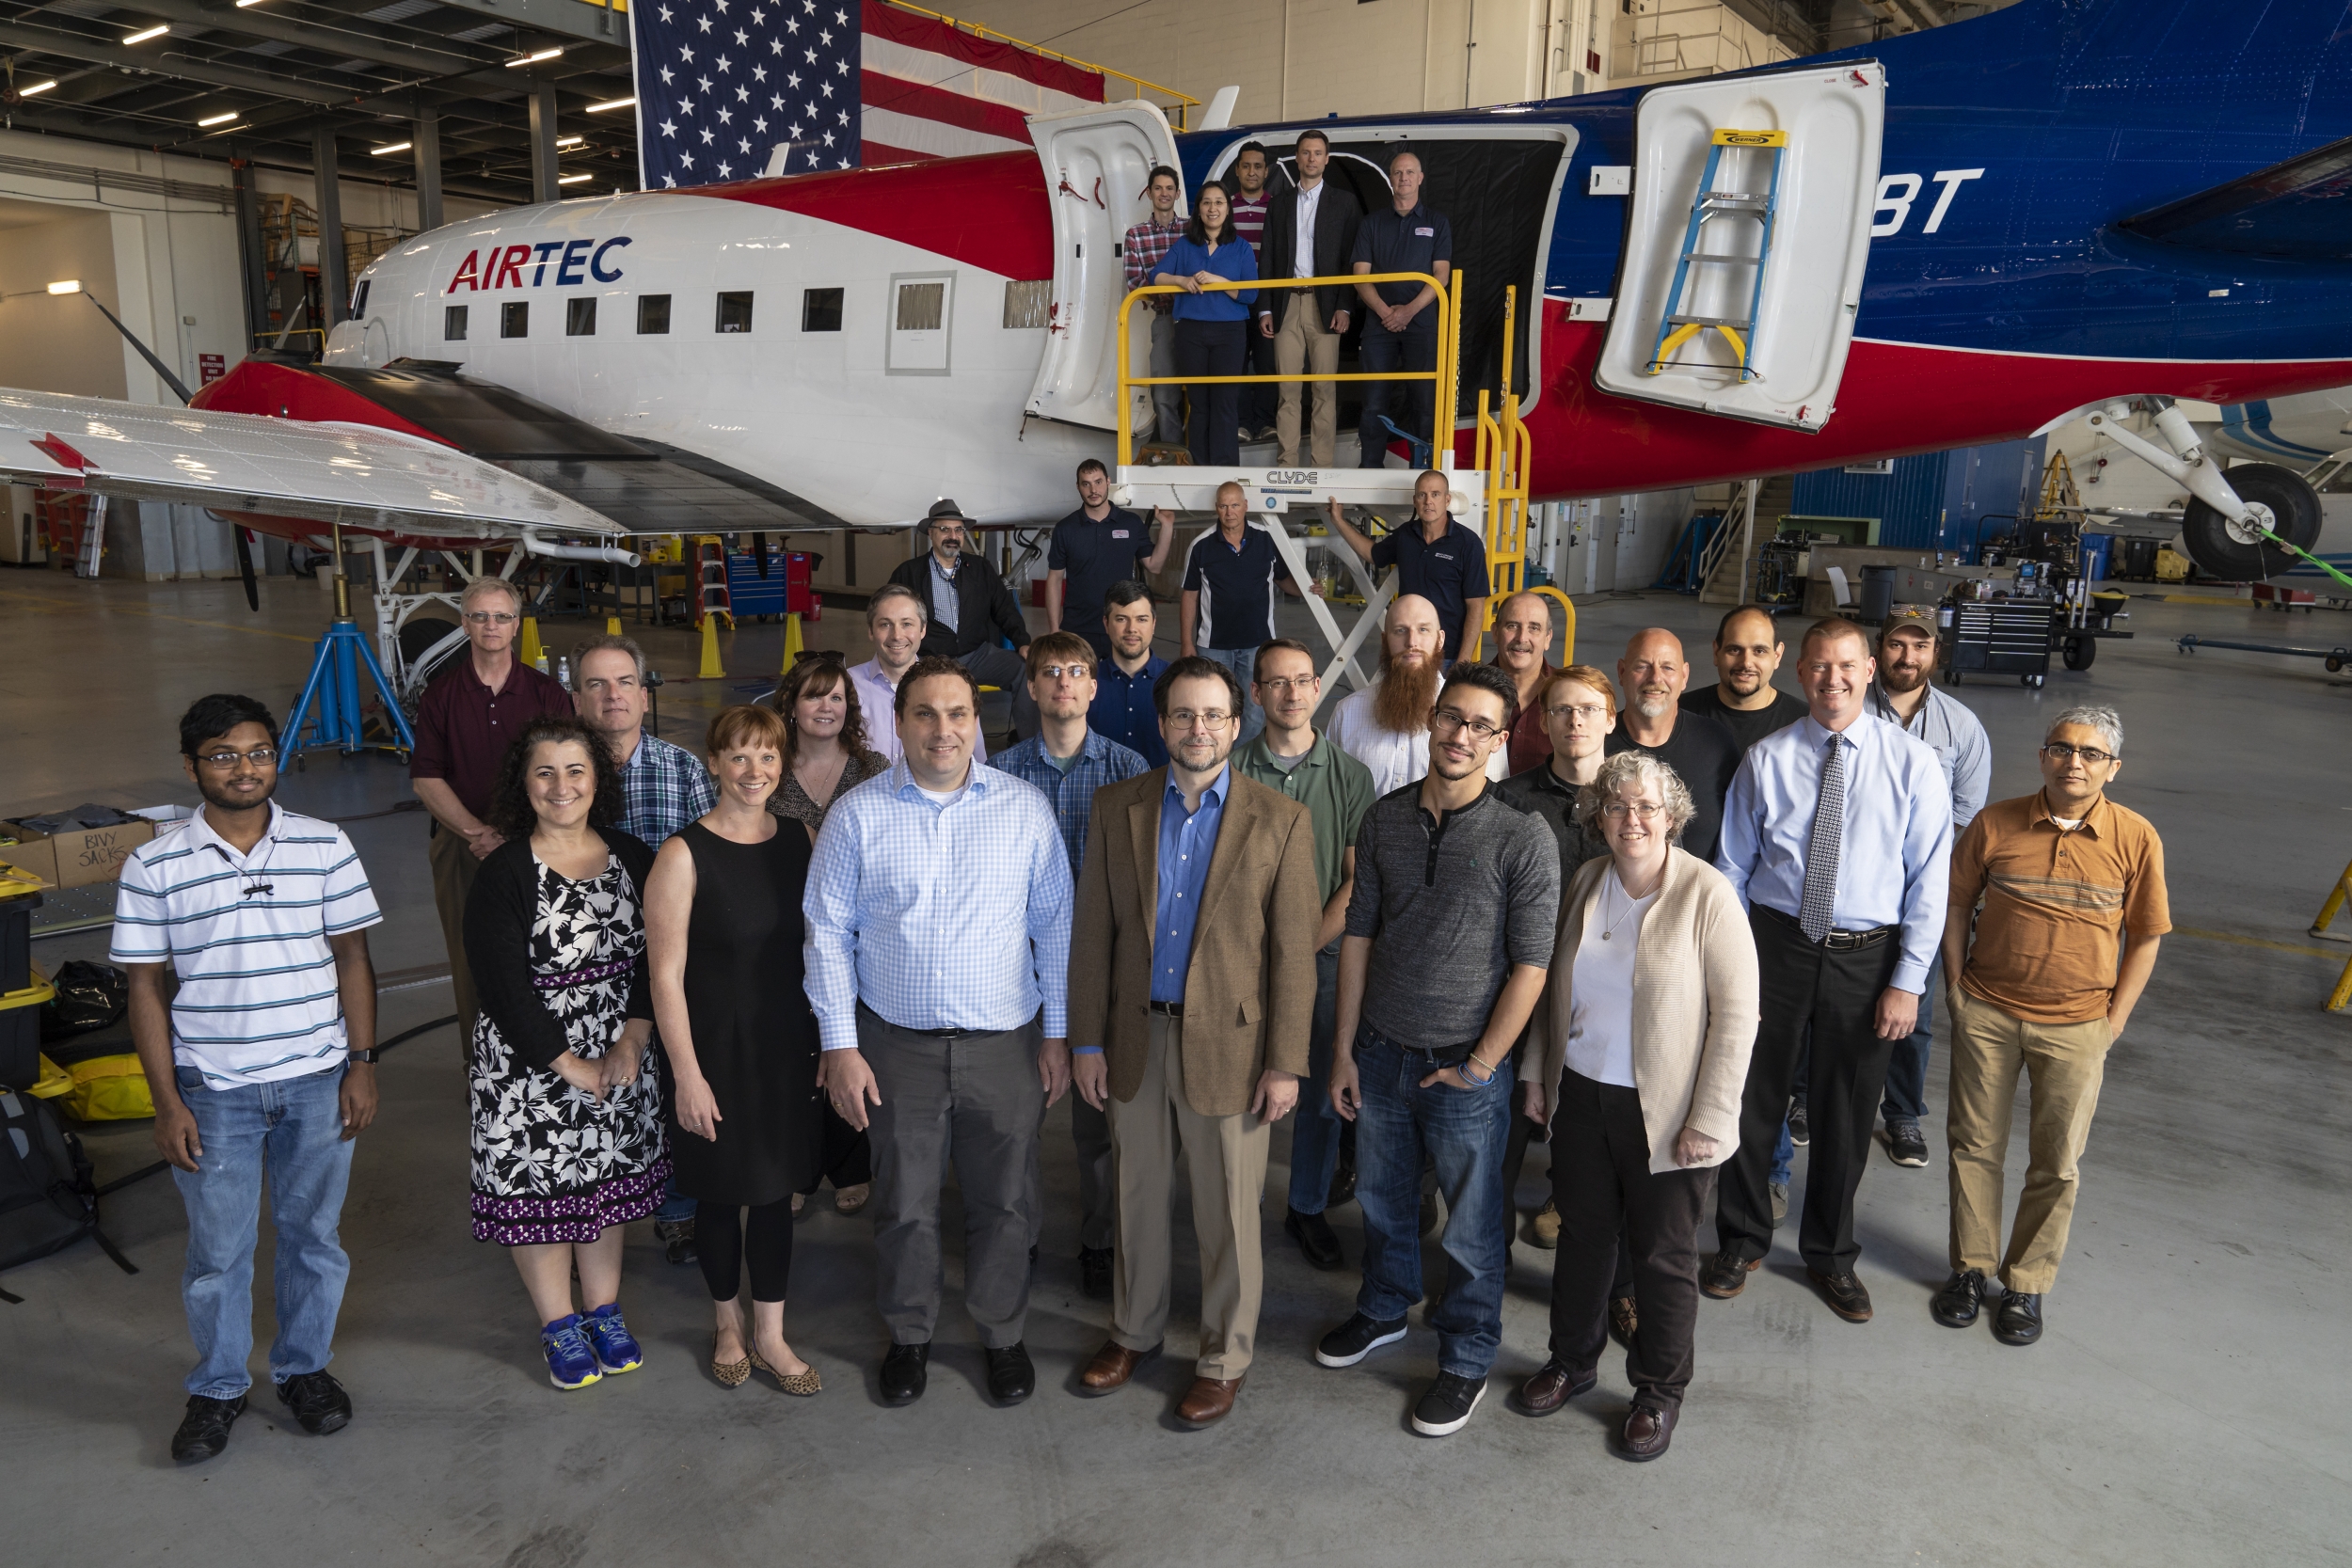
{"type": "Point", "coordinates": [938, 911]}
{"type": "Point", "coordinates": [1837, 836]}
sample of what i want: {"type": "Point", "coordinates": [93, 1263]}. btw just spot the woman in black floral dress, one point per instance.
{"type": "Point", "coordinates": [567, 1133]}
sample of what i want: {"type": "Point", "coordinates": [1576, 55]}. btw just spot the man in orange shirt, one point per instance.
{"type": "Point", "coordinates": [2073, 890]}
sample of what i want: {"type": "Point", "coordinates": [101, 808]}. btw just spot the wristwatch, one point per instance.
{"type": "Point", "coordinates": [369, 1056]}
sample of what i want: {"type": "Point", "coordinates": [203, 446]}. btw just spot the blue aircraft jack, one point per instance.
{"type": "Point", "coordinates": [334, 686]}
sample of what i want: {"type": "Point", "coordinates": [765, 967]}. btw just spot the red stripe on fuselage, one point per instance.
{"type": "Point", "coordinates": [1896, 398]}
{"type": "Point", "coordinates": [987, 212]}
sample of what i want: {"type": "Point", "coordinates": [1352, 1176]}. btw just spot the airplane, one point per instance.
{"type": "Point", "coordinates": [1973, 232]}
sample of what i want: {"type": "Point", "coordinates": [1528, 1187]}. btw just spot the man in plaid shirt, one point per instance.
{"type": "Point", "coordinates": [1069, 762]}
{"type": "Point", "coordinates": [1146, 246]}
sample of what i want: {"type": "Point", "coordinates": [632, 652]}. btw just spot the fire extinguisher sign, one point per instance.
{"type": "Point", "coordinates": [210, 368]}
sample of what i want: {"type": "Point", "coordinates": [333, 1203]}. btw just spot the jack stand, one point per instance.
{"type": "Point", "coordinates": [334, 683]}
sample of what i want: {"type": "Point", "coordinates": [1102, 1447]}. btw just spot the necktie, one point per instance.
{"type": "Point", "coordinates": [1820, 850]}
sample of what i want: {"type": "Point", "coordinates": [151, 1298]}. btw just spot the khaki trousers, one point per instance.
{"type": "Point", "coordinates": [2065, 1063]}
{"type": "Point", "coordinates": [454, 868]}
{"type": "Point", "coordinates": [1302, 342]}
{"type": "Point", "coordinates": [1226, 1157]}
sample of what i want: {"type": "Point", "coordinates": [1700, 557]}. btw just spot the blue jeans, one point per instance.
{"type": "Point", "coordinates": [1906, 1098]}
{"type": "Point", "coordinates": [1462, 1133]}
{"type": "Point", "coordinates": [1315, 1135]}
{"type": "Point", "coordinates": [293, 1130]}
{"type": "Point", "coordinates": [1241, 661]}
{"type": "Point", "coordinates": [673, 1207]}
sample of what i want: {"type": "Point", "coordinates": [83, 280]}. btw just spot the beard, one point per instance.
{"type": "Point", "coordinates": [1405, 693]}
{"type": "Point", "coordinates": [1903, 681]}
{"type": "Point", "coordinates": [1651, 705]}
{"type": "Point", "coordinates": [230, 802]}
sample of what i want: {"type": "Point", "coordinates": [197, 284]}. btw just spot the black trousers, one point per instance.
{"type": "Point", "coordinates": [1212, 429]}
{"type": "Point", "coordinates": [848, 1160]}
{"type": "Point", "coordinates": [725, 1242]}
{"type": "Point", "coordinates": [1836, 992]}
{"type": "Point", "coordinates": [1608, 1196]}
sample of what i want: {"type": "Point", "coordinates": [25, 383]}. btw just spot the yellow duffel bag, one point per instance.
{"type": "Point", "coordinates": [107, 1088]}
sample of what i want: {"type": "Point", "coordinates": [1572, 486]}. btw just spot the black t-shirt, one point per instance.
{"type": "Point", "coordinates": [1095, 554]}
{"type": "Point", "coordinates": [1704, 754]}
{"type": "Point", "coordinates": [1447, 574]}
{"type": "Point", "coordinates": [1405, 242]}
{"type": "Point", "coordinates": [1748, 726]}
{"type": "Point", "coordinates": [1236, 586]}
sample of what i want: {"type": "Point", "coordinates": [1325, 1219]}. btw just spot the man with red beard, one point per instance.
{"type": "Point", "coordinates": [1386, 726]}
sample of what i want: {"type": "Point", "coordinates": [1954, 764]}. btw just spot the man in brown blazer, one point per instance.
{"type": "Point", "coordinates": [1192, 987]}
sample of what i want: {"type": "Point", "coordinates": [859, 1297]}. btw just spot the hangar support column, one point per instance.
{"type": "Point", "coordinates": [542, 185]}
{"type": "Point", "coordinates": [334, 284]}
{"type": "Point", "coordinates": [425, 133]}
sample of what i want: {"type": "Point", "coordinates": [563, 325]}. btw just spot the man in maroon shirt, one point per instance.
{"type": "Point", "coordinates": [464, 722]}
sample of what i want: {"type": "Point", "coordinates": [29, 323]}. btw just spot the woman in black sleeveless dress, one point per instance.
{"type": "Point", "coordinates": [724, 933]}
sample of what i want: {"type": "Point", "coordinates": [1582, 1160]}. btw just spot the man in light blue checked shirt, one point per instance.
{"type": "Point", "coordinates": [938, 911]}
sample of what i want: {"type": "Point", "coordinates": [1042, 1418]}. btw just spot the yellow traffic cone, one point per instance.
{"type": "Point", "coordinates": [793, 646]}
{"type": "Point", "coordinates": [612, 626]}
{"type": "Point", "coordinates": [531, 651]}
{"type": "Point", "coordinates": [710, 670]}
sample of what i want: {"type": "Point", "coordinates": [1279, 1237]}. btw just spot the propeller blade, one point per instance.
{"type": "Point", "coordinates": [244, 570]}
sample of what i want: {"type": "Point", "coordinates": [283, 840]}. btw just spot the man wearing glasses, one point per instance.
{"type": "Point", "coordinates": [1188, 1017]}
{"type": "Point", "coordinates": [2073, 903]}
{"type": "Point", "coordinates": [1288, 756]}
{"type": "Point", "coordinates": [464, 724]}
{"type": "Point", "coordinates": [1449, 932]}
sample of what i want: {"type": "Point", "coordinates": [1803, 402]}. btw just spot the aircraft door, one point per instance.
{"type": "Point", "coordinates": [1750, 313]}
{"type": "Point", "coordinates": [1097, 162]}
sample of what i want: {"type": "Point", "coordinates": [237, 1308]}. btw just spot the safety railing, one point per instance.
{"type": "Point", "coordinates": [1184, 101]}
{"type": "Point", "coordinates": [1446, 375]}
{"type": "Point", "coordinates": [1506, 453]}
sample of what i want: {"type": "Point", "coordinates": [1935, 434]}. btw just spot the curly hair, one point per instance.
{"type": "Point", "coordinates": [511, 812]}
{"type": "Point", "coordinates": [1625, 773]}
{"type": "Point", "coordinates": [817, 675]}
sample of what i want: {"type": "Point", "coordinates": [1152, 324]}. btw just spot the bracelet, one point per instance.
{"type": "Point", "coordinates": [1476, 1083]}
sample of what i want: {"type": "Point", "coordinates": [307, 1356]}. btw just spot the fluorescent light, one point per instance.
{"type": "Point", "coordinates": [217, 119]}
{"type": "Point", "coordinates": [43, 88]}
{"type": "Point", "coordinates": [70, 286]}
{"type": "Point", "coordinates": [146, 33]}
{"type": "Point", "coordinates": [615, 103]}
{"type": "Point", "coordinates": [571, 141]}
{"type": "Point", "coordinates": [243, 4]}
{"type": "Point", "coordinates": [526, 60]}
{"type": "Point", "coordinates": [574, 179]}
{"type": "Point", "coordinates": [387, 151]}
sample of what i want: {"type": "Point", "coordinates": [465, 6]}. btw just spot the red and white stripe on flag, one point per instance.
{"type": "Point", "coordinates": [929, 91]}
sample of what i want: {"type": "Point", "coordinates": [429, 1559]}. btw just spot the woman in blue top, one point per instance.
{"type": "Point", "coordinates": [1212, 326]}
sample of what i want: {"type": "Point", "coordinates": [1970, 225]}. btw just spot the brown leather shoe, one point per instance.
{"type": "Point", "coordinates": [1845, 1296]}
{"type": "Point", "coordinates": [1623, 1318]}
{"type": "Point", "coordinates": [1208, 1400]}
{"type": "Point", "coordinates": [1548, 1391]}
{"type": "Point", "coordinates": [1645, 1432]}
{"type": "Point", "coordinates": [1112, 1365]}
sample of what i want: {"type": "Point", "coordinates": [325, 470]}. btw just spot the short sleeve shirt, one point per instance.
{"type": "Point", "coordinates": [463, 728]}
{"type": "Point", "coordinates": [1123, 711]}
{"type": "Point", "coordinates": [1448, 574]}
{"type": "Point", "coordinates": [1236, 586]}
{"type": "Point", "coordinates": [1405, 242]}
{"type": "Point", "coordinates": [1094, 556]}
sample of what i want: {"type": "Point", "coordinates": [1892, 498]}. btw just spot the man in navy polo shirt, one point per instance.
{"type": "Point", "coordinates": [1230, 575]}
{"type": "Point", "coordinates": [1094, 547]}
{"type": "Point", "coordinates": [1400, 327]}
{"type": "Point", "coordinates": [1122, 708]}
{"type": "Point", "coordinates": [1435, 557]}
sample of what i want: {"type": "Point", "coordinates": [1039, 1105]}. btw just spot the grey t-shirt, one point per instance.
{"type": "Point", "coordinates": [1449, 908]}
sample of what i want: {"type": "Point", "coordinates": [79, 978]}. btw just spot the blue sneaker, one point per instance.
{"type": "Point", "coordinates": [617, 1350]}
{"type": "Point", "coordinates": [571, 1364]}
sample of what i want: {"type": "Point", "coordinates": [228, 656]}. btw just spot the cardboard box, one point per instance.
{"type": "Point", "coordinates": [74, 858]}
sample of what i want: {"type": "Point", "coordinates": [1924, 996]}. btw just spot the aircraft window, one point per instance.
{"type": "Point", "coordinates": [1027, 303]}
{"type": "Point", "coordinates": [515, 319]}
{"type": "Point", "coordinates": [359, 297]}
{"type": "Point", "coordinates": [821, 309]}
{"type": "Point", "coordinates": [580, 318]}
{"type": "Point", "coordinates": [454, 324]}
{"type": "Point", "coordinates": [735, 310]}
{"type": "Point", "coordinates": [653, 315]}
{"type": "Point", "coordinates": [921, 306]}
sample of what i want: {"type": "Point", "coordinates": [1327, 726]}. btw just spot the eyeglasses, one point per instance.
{"type": "Point", "coordinates": [488, 618]}
{"type": "Point", "coordinates": [1294, 683]}
{"type": "Point", "coordinates": [1185, 719]}
{"type": "Point", "coordinates": [2058, 751]}
{"type": "Point", "coordinates": [1617, 811]}
{"type": "Point", "coordinates": [1055, 671]}
{"type": "Point", "coordinates": [1591, 712]}
{"type": "Point", "coordinates": [261, 756]}
{"type": "Point", "coordinates": [1449, 720]}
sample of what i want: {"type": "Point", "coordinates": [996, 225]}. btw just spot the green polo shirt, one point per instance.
{"type": "Point", "coordinates": [1335, 789]}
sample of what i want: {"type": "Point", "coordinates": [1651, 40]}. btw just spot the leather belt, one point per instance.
{"type": "Point", "coordinates": [1170, 1009]}
{"type": "Point", "coordinates": [1839, 939]}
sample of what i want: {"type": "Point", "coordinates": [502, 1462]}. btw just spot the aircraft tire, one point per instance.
{"type": "Point", "coordinates": [2290, 500]}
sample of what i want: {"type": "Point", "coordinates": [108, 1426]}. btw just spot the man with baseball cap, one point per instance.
{"type": "Point", "coordinates": [971, 609]}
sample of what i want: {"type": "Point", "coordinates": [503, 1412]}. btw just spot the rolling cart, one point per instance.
{"type": "Point", "coordinates": [2000, 638]}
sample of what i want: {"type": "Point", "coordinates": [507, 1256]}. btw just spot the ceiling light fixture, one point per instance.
{"type": "Point", "coordinates": [70, 286]}
{"type": "Point", "coordinates": [574, 179]}
{"type": "Point", "coordinates": [146, 33]}
{"type": "Point", "coordinates": [534, 59]}
{"type": "Point", "coordinates": [216, 119]}
{"type": "Point", "coordinates": [570, 141]}
{"type": "Point", "coordinates": [615, 103]}
{"type": "Point", "coordinates": [44, 87]}
{"type": "Point", "coordinates": [387, 151]}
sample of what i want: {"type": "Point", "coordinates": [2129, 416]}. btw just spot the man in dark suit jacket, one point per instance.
{"type": "Point", "coordinates": [970, 609]}
{"type": "Point", "coordinates": [1192, 993]}
{"type": "Point", "coordinates": [1306, 324]}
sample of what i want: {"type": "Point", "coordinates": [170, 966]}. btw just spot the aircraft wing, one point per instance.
{"type": "Point", "coordinates": [362, 476]}
{"type": "Point", "coordinates": [2296, 209]}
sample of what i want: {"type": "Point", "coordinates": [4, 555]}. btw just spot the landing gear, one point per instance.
{"type": "Point", "coordinates": [2230, 519]}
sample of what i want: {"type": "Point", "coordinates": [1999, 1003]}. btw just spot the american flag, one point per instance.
{"type": "Point", "coordinates": [731, 89]}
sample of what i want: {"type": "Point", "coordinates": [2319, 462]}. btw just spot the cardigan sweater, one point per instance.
{"type": "Point", "coordinates": [1695, 1005]}
{"type": "Point", "coordinates": [500, 915]}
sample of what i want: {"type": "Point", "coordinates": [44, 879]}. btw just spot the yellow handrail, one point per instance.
{"type": "Point", "coordinates": [1446, 374]}
{"type": "Point", "coordinates": [1506, 451]}
{"type": "Point", "coordinates": [1183, 100]}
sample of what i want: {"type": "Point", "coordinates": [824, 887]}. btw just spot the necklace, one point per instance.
{"type": "Point", "coordinates": [1614, 884]}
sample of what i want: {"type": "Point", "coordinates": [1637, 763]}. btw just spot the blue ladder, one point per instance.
{"type": "Point", "coordinates": [1679, 327]}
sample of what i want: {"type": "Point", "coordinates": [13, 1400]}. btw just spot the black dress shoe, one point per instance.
{"type": "Point", "coordinates": [2019, 1320]}
{"type": "Point", "coordinates": [1955, 1306]}
{"type": "Point", "coordinates": [1726, 1275]}
{"type": "Point", "coordinates": [204, 1430]}
{"type": "Point", "coordinates": [677, 1240]}
{"type": "Point", "coordinates": [904, 1374]}
{"type": "Point", "coordinates": [1094, 1272]}
{"type": "Point", "coordinates": [1847, 1296]}
{"type": "Point", "coordinates": [1800, 1125]}
{"type": "Point", "coordinates": [317, 1400]}
{"type": "Point", "coordinates": [1010, 1378]}
{"type": "Point", "coordinates": [1313, 1234]}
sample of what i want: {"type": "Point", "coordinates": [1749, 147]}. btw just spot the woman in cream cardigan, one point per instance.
{"type": "Point", "coordinates": [1643, 1035]}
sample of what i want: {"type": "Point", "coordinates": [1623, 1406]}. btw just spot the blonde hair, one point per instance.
{"type": "Point", "coordinates": [483, 585]}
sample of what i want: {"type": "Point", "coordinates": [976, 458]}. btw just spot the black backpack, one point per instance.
{"type": "Point", "coordinates": [48, 1195]}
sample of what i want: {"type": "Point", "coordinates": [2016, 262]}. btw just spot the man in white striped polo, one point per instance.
{"type": "Point", "coordinates": [264, 1060]}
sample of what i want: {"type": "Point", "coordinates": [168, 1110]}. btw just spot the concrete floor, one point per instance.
{"type": "Point", "coordinates": [2189, 1403]}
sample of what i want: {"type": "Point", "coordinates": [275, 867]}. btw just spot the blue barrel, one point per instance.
{"type": "Point", "coordinates": [2097, 551]}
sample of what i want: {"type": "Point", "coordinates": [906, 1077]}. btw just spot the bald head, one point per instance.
{"type": "Point", "coordinates": [1653, 673]}
{"type": "Point", "coordinates": [1409, 632]}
